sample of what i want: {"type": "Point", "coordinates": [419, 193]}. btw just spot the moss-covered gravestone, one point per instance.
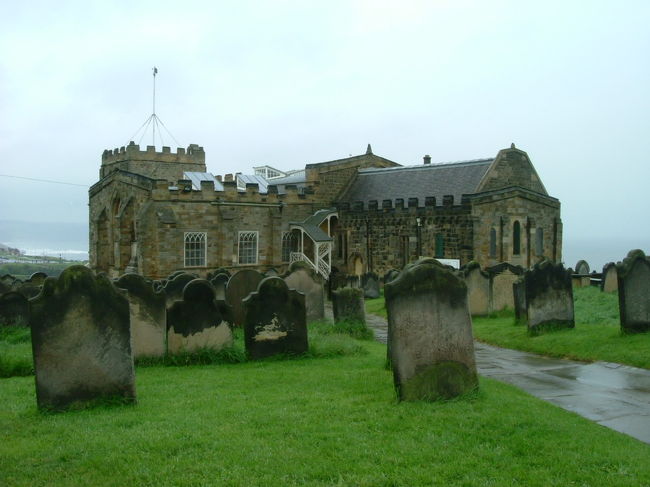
{"type": "Point", "coordinates": [430, 343]}
{"type": "Point", "coordinates": [634, 292]}
{"type": "Point", "coordinates": [609, 281]}
{"type": "Point", "coordinates": [303, 279]}
{"type": "Point", "coordinates": [240, 285]}
{"type": "Point", "coordinates": [370, 282]}
{"type": "Point", "coordinates": [148, 316]}
{"type": "Point", "coordinates": [478, 289]}
{"type": "Point", "coordinates": [220, 283]}
{"type": "Point", "coordinates": [175, 285]}
{"type": "Point", "coordinates": [348, 305]}
{"type": "Point", "coordinates": [502, 277]}
{"type": "Point", "coordinates": [14, 309]}
{"type": "Point", "coordinates": [549, 297]}
{"type": "Point", "coordinates": [198, 321]}
{"type": "Point", "coordinates": [390, 275]}
{"type": "Point", "coordinates": [275, 320]}
{"type": "Point", "coordinates": [519, 293]}
{"type": "Point", "coordinates": [81, 341]}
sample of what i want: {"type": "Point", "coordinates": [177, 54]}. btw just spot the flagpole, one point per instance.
{"type": "Point", "coordinates": [155, 71]}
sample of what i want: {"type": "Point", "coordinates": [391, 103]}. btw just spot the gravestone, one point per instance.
{"type": "Point", "coordinates": [582, 268]}
{"type": "Point", "coordinates": [198, 321]}
{"type": "Point", "coordinates": [271, 273]}
{"type": "Point", "coordinates": [609, 282]}
{"type": "Point", "coordinates": [370, 282]}
{"type": "Point", "coordinates": [37, 278]}
{"type": "Point", "coordinates": [81, 341]}
{"type": "Point", "coordinates": [275, 320]}
{"type": "Point", "coordinates": [148, 315]}
{"type": "Point", "coordinates": [348, 305]}
{"type": "Point", "coordinates": [220, 282]}
{"type": "Point", "coordinates": [430, 342]}
{"type": "Point", "coordinates": [353, 281]}
{"type": "Point", "coordinates": [14, 309]}
{"type": "Point", "coordinates": [159, 285]}
{"type": "Point", "coordinates": [519, 293]}
{"type": "Point", "coordinates": [634, 292]}
{"type": "Point", "coordinates": [175, 285]}
{"type": "Point", "coordinates": [304, 280]}
{"type": "Point", "coordinates": [240, 285]}
{"type": "Point", "coordinates": [336, 281]}
{"type": "Point", "coordinates": [4, 288]}
{"type": "Point", "coordinates": [216, 272]}
{"type": "Point", "coordinates": [390, 276]}
{"type": "Point", "coordinates": [478, 289]}
{"type": "Point", "coordinates": [549, 297]}
{"type": "Point", "coordinates": [502, 277]}
{"type": "Point", "coordinates": [10, 282]}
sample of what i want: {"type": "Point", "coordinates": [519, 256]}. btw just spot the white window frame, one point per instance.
{"type": "Point", "coordinates": [291, 239]}
{"type": "Point", "coordinates": [254, 236]}
{"type": "Point", "coordinates": [199, 255]}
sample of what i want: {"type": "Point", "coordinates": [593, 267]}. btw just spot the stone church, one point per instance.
{"type": "Point", "coordinates": [158, 212]}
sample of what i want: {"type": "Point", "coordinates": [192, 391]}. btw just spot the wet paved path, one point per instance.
{"type": "Point", "coordinates": [613, 395]}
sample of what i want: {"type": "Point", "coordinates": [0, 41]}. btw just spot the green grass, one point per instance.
{"type": "Point", "coordinates": [596, 336]}
{"type": "Point", "coordinates": [15, 351]}
{"type": "Point", "coordinates": [308, 421]}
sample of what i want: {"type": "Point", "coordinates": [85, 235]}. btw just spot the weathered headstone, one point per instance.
{"type": "Point", "coordinates": [275, 320]}
{"type": "Point", "coordinates": [353, 281]}
{"type": "Point", "coordinates": [478, 289]}
{"type": "Point", "coordinates": [240, 285]}
{"type": "Point", "coordinates": [303, 279]}
{"type": "Point", "coordinates": [502, 276]}
{"type": "Point", "coordinates": [174, 287]}
{"type": "Point", "coordinates": [582, 268]}
{"type": "Point", "coordinates": [519, 293]}
{"type": "Point", "coordinates": [148, 314]}
{"type": "Point", "coordinates": [549, 297]}
{"type": "Point", "coordinates": [609, 282]}
{"type": "Point", "coordinates": [197, 321]}
{"type": "Point", "coordinates": [336, 281]}
{"type": "Point", "coordinates": [271, 273]}
{"type": "Point", "coordinates": [348, 305]}
{"type": "Point", "coordinates": [220, 282]}
{"type": "Point", "coordinates": [370, 283]}
{"type": "Point", "coordinates": [430, 342]}
{"type": "Point", "coordinates": [216, 272]}
{"type": "Point", "coordinates": [10, 282]}
{"type": "Point", "coordinates": [634, 292]}
{"type": "Point", "coordinates": [81, 341]}
{"type": "Point", "coordinates": [14, 309]}
{"type": "Point", "coordinates": [390, 276]}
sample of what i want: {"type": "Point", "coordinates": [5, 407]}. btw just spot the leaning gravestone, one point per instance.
{"type": "Point", "coordinates": [348, 305]}
{"type": "Point", "coordinates": [430, 342]}
{"type": "Point", "coordinates": [519, 293]}
{"type": "Point", "coordinates": [220, 282]}
{"type": "Point", "coordinates": [370, 282]}
{"type": "Point", "coordinates": [174, 287]}
{"type": "Point", "coordinates": [14, 309]}
{"type": "Point", "coordinates": [148, 314]}
{"type": "Point", "coordinates": [275, 320]}
{"type": "Point", "coordinates": [197, 321]}
{"type": "Point", "coordinates": [478, 289]}
{"type": "Point", "coordinates": [81, 341]}
{"type": "Point", "coordinates": [549, 297]}
{"type": "Point", "coordinates": [502, 277]}
{"type": "Point", "coordinates": [634, 292]}
{"type": "Point", "coordinates": [240, 285]}
{"type": "Point", "coordinates": [609, 282]}
{"type": "Point", "coordinates": [304, 280]}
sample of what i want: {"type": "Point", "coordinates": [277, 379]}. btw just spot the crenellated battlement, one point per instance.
{"type": "Point", "coordinates": [194, 154]}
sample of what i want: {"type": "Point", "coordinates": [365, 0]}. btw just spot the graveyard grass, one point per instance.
{"type": "Point", "coordinates": [596, 336]}
{"type": "Point", "coordinates": [310, 421]}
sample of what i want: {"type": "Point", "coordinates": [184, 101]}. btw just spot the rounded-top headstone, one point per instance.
{"type": "Point", "coordinates": [240, 285]}
{"type": "Point", "coordinates": [582, 268]}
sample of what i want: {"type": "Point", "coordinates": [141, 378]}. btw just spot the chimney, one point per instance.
{"type": "Point", "coordinates": [427, 159]}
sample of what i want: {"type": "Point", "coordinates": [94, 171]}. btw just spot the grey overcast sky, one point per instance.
{"type": "Point", "coordinates": [287, 83]}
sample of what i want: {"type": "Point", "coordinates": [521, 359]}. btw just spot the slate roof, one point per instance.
{"type": "Point", "coordinates": [438, 180]}
{"type": "Point", "coordinates": [253, 179]}
{"type": "Point", "coordinates": [311, 225]}
{"type": "Point", "coordinates": [197, 177]}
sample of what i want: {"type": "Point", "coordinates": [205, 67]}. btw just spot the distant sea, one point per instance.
{"type": "Point", "coordinates": [56, 239]}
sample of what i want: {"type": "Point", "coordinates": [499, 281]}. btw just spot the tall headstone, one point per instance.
{"type": "Point", "coordinates": [240, 285]}
{"type": "Point", "coordinates": [609, 282]}
{"type": "Point", "coordinates": [502, 277]}
{"type": "Point", "coordinates": [14, 309]}
{"type": "Point", "coordinates": [148, 314]}
{"type": "Point", "coordinates": [549, 297]}
{"type": "Point", "coordinates": [478, 289]}
{"type": "Point", "coordinates": [81, 341]}
{"type": "Point", "coordinates": [348, 305]}
{"type": "Point", "coordinates": [430, 342]}
{"type": "Point", "coordinates": [634, 292]}
{"type": "Point", "coordinates": [519, 293]}
{"type": "Point", "coordinates": [275, 320]}
{"type": "Point", "coordinates": [197, 321]}
{"type": "Point", "coordinates": [370, 282]}
{"type": "Point", "coordinates": [303, 279]}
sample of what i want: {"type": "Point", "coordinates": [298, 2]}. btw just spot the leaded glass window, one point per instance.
{"type": "Point", "coordinates": [289, 244]}
{"type": "Point", "coordinates": [248, 247]}
{"type": "Point", "coordinates": [195, 248]}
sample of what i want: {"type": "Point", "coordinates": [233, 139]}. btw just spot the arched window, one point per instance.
{"type": "Point", "coordinates": [289, 244]}
{"type": "Point", "coordinates": [247, 247]}
{"type": "Point", "coordinates": [539, 241]}
{"type": "Point", "coordinates": [195, 249]}
{"type": "Point", "coordinates": [440, 245]}
{"type": "Point", "coordinates": [516, 238]}
{"type": "Point", "coordinates": [493, 242]}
